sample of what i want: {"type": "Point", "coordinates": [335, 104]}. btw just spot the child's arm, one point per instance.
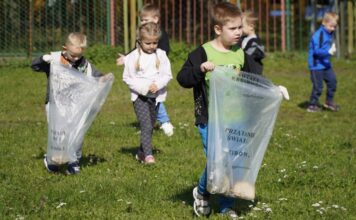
{"type": "Point", "coordinates": [321, 49]}
{"type": "Point", "coordinates": [255, 49]}
{"type": "Point", "coordinates": [191, 73]}
{"type": "Point", "coordinates": [41, 64]}
{"type": "Point", "coordinates": [120, 60]}
{"type": "Point", "coordinates": [95, 72]}
{"type": "Point", "coordinates": [138, 85]}
{"type": "Point", "coordinates": [165, 72]}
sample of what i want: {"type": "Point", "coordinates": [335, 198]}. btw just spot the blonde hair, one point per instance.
{"type": "Point", "coordinates": [249, 18]}
{"type": "Point", "coordinates": [150, 10]}
{"type": "Point", "coordinates": [330, 16]}
{"type": "Point", "coordinates": [144, 30]}
{"type": "Point", "coordinates": [224, 12]}
{"type": "Point", "coordinates": [76, 39]}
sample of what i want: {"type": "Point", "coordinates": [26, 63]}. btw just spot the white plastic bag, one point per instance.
{"type": "Point", "coordinates": [74, 101]}
{"type": "Point", "coordinates": [242, 111]}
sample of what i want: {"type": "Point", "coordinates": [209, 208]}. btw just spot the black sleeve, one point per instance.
{"type": "Point", "coordinates": [95, 72]}
{"type": "Point", "coordinates": [255, 49]}
{"type": "Point", "coordinates": [250, 65]}
{"type": "Point", "coordinates": [190, 74]}
{"type": "Point", "coordinates": [39, 65]}
{"type": "Point", "coordinates": [163, 42]}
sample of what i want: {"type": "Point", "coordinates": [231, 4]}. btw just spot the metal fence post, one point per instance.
{"type": "Point", "coordinates": [30, 29]}
{"type": "Point", "coordinates": [108, 22]}
{"type": "Point", "coordinates": [126, 26]}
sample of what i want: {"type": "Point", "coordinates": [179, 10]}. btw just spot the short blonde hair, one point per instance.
{"type": "Point", "coordinates": [224, 12]}
{"type": "Point", "coordinates": [249, 18]}
{"type": "Point", "coordinates": [76, 39]}
{"type": "Point", "coordinates": [150, 10]}
{"type": "Point", "coordinates": [330, 16]}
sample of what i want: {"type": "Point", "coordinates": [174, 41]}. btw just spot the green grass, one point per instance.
{"type": "Point", "coordinates": [310, 158]}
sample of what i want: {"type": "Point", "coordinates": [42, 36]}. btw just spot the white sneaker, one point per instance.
{"type": "Point", "coordinates": [167, 128]}
{"type": "Point", "coordinates": [201, 204]}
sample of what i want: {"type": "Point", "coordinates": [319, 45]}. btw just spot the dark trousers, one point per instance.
{"type": "Point", "coordinates": [318, 77]}
{"type": "Point", "coordinates": [146, 112]}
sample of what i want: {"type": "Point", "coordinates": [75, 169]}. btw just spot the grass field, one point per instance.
{"type": "Point", "coordinates": [309, 169]}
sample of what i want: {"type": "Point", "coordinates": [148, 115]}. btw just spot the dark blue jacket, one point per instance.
{"type": "Point", "coordinates": [319, 45]}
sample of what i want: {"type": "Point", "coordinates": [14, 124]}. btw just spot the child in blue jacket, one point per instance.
{"type": "Point", "coordinates": [321, 48]}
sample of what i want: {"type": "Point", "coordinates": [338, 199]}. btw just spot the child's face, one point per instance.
{"type": "Point", "coordinates": [73, 53]}
{"type": "Point", "coordinates": [149, 44]}
{"type": "Point", "coordinates": [247, 29]}
{"type": "Point", "coordinates": [330, 26]}
{"type": "Point", "coordinates": [149, 18]}
{"type": "Point", "coordinates": [230, 33]}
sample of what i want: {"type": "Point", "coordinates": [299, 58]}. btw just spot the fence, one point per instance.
{"type": "Point", "coordinates": [30, 27]}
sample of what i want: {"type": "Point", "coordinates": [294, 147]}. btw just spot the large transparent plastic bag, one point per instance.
{"type": "Point", "coordinates": [75, 99]}
{"type": "Point", "coordinates": [242, 111]}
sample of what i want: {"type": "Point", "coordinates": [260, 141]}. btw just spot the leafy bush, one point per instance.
{"type": "Point", "coordinates": [100, 53]}
{"type": "Point", "coordinates": [179, 51]}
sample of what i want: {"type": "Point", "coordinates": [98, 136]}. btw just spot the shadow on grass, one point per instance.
{"type": "Point", "coordinates": [136, 125]}
{"type": "Point", "coordinates": [91, 160]}
{"type": "Point", "coordinates": [133, 150]}
{"type": "Point", "coordinates": [242, 207]}
{"type": "Point", "coordinates": [85, 161]}
{"type": "Point", "coordinates": [303, 105]}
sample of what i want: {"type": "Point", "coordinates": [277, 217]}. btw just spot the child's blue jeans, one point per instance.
{"type": "Point", "coordinates": [224, 202]}
{"type": "Point", "coordinates": [318, 77]}
{"type": "Point", "coordinates": [162, 116]}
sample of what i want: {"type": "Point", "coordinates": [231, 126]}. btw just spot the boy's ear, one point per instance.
{"type": "Point", "coordinates": [64, 47]}
{"type": "Point", "coordinates": [156, 19]}
{"type": "Point", "coordinates": [217, 29]}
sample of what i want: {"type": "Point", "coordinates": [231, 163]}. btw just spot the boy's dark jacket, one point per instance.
{"type": "Point", "coordinates": [190, 76]}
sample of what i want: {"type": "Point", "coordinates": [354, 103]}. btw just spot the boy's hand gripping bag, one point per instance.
{"type": "Point", "coordinates": [75, 99]}
{"type": "Point", "coordinates": [242, 111]}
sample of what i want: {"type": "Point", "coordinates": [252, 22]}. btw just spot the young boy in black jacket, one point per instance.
{"type": "Point", "coordinates": [195, 73]}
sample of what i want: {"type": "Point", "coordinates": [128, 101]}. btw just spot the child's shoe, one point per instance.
{"type": "Point", "coordinates": [73, 168]}
{"type": "Point", "coordinates": [167, 128]}
{"type": "Point", "coordinates": [149, 159]}
{"type": "Point", "coordinates": [331, 106]}
{"type": "Point", "coordinates": [50, 167]}
{"type": "Point", "coordinates": [313, 108]}
{"type": "Point", "coordinates": [230, 213]}
{"type": "Point", "coordinates": [201, 204]}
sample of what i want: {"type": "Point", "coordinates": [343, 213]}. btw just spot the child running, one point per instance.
{"type": "Point", "coordinates": [147, 72]}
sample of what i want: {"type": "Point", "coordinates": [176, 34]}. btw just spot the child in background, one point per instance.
{"type": "Point", "coordinates": [251, 43]}
{"type": "Point", "coordinates": [71, 55]}
{"type": "Point", "coordinates": [195, 73]}
{"type": "Point", "coordinates": [151, 13]}
{"type": "Point", "coordinates": [147, 72]}
{"type": "Point", "coordinates": [321, 48]}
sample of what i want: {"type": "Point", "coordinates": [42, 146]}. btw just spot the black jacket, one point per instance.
{"type": "Point", "coordinates": [255, 49]}
{"type": "Point", "coordinates": [190, 76]}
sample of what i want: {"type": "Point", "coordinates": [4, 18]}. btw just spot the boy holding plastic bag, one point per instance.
{"type": "Point", "coordinates": [75, 93]}
{"type": "Point", "coordinates": [196, 73]}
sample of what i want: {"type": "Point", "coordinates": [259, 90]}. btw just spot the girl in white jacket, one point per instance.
{"type": "Point", "coordinates": [147, 72]}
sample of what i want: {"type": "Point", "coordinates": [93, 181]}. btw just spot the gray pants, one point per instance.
{"type": "Point", "coordinates": [146, 112]}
